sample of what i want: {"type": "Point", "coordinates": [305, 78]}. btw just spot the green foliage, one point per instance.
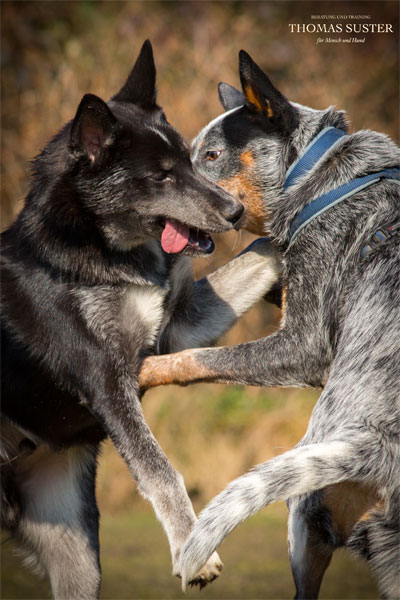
{"type": "Point", "coordinates": [233, 410]}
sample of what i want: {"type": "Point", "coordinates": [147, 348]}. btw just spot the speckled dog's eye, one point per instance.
{"type": "Point", "coordinates": [212, 154]}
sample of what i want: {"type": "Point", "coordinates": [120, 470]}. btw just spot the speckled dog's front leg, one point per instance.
{"type": "Point", "coordinates": [281, 359]}
{"type": "Point", "coordinates": [180, 368]}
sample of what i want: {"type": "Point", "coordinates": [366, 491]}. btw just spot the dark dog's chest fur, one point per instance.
{"type": "Point", "coordinates": [44, 359]}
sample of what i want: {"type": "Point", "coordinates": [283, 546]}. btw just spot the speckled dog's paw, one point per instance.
{"type": "Point", "coordinates": [208, 572]}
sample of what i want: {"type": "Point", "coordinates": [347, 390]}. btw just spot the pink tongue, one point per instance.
{"type": "Point", "coordinates": [174, 237]}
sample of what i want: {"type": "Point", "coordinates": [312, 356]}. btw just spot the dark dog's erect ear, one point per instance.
{"type": "Point", "coordinates": [261, 95]}
{"type": "Point", "coordinates": [140, 87]}
{"type": "Point", "coordinates": [93, 127]}
{"type": "Point", "coordinates": [229, 96]}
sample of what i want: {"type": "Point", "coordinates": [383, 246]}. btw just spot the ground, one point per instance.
{"type": "Point", "coordinates": [136, 564]}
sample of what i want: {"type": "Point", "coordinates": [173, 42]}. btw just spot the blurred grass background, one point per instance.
{"type": "Point", "coordinates": [53, 53]}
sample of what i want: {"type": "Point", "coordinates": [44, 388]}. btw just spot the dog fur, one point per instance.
{"type": "Point", "coordinates": [340, 331]}
{"type": "Point", "coordinates": [87, 293]}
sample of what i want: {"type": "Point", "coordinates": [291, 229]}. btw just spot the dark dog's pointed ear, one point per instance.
{"type": "Point", "coordinates": [229, 96]}
{"type": "Point", "coordinates": [93, 127]}
{"type": "Point", "coordinates": [261, 95]}
{"type": "Point", "coordinates": [140, 87]}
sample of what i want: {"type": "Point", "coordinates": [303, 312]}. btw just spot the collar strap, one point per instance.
{"type": "Point", "coordinates": [322, 203]}
{"type": "Point", "coordinates": [312, 154]}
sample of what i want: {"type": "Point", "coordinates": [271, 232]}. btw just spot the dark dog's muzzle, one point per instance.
{"type": "Point", "coordinates": [235, 216]}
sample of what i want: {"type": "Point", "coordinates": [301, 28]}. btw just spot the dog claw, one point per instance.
{"type": "Point", "coordinates": [208, 572]}
{"type": "Point", "coordinates": [201, 581]}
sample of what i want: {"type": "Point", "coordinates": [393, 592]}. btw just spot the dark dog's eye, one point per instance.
{"type": "Point", "coordinates": [161, 176]}
{"type": "Point", "coordinates": [212, 154]}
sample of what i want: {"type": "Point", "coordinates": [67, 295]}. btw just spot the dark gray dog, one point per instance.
{"type": "Point", "coordinates": [333, 207]}
{"type": "Point", "coordinates": [94, 278]}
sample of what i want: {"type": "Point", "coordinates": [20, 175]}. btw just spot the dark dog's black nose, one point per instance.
{"type": "Point", "coordinates": [234, 215]}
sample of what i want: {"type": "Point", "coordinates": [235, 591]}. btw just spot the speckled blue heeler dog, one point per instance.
{"type": "Point", "coordinates": [94, 278]}
{"type": "Point", "coordinates": [340, 329]}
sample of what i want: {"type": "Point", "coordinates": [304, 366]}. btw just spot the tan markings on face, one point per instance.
{"type": "Point", "coordinates": [179, 368]}
{"type": "Point", "coordinates": [247, 158]}
{"type": "Point", "coordinates": [244, 187]}
{"type": "Point", "coordinates": [348, 503]}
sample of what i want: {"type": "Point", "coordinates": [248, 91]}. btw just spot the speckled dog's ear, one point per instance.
{"type": "Point", "coordinates": [229, 96]}
{"type": "Point", "coordinates": [262, 97]}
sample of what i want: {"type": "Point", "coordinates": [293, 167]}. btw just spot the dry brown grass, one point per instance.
{"type": "Point", "coordinates": [54, 52]}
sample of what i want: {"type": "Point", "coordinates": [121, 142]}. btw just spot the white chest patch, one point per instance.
{"type": "Point", "coordinates": [144, 303]}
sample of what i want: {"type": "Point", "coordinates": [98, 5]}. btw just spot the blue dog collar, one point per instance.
{"type": "Point", "coordinates": [312, 154]}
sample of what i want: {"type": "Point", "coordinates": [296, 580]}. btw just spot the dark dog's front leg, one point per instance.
{"type": "Point", "coordinates": [204, 310]}
{"type": "Point", "coordinates": [158, 481]}
{"type": "Point", "coordinates": [281, 359]}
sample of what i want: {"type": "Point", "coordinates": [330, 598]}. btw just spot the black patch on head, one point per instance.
{"type": "Point", "coordinates": [240, 128]}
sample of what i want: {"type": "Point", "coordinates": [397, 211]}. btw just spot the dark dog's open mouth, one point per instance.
{"type": "Point", "coordinates": [176, 237]}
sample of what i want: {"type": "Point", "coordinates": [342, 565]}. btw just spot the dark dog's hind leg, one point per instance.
{"type": "Point", "coordinates": [311, 544]}
{"type": "Point", "coordinates": [59, 521]}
